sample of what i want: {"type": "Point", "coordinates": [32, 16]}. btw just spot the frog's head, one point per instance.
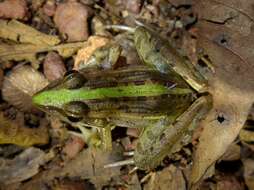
{"type": "Point", "coordinates": [61, 97]}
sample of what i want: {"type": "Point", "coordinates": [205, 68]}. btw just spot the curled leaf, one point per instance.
{"type": "Point", "coordinates": [19, 32]}
{"type": "Point", "coordinates": [20, 85]}
{"type": "Point", "coordinates": [23, 166]}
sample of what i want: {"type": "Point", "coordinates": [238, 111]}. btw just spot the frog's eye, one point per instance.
{"type": "Point", "coordinates": [76, 110]}
{"type": "Point", "coordinates": [74, 80]}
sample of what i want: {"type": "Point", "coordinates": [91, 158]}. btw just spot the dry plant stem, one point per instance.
{"type": "Point", "coordinates": [121, 27]}
{"type": "Point", "coordinates": [120, 163]}
{"type": "Point", "coordinates": [131, 153]}
{"type": "Point", "coordinates": [146, 177]}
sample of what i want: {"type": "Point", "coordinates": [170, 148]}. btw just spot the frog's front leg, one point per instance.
{"type": "Point", "coordinates": [164, 137]}
{"type": "Point", "coordinates": [104, 57]}
{"type": "Point", "coordinates": [97, 134]}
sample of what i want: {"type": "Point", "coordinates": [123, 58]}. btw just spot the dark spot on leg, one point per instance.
{"type": "Point", "coordinates": [151, 149]}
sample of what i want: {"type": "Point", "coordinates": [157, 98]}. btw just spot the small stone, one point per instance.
{"type": "Point", "coordinates": [53, 66]}
{"type": "Point", "coordinates": [14, 9]}
{"type": "Point", "coordinates": [71, 20]}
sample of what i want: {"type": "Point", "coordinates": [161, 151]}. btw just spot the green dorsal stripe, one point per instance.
{"type": "Point", "coordinates": [62, 96]}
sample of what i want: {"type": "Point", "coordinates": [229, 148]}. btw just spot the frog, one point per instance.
{"type": "Point", "coordinates": [165, 98]}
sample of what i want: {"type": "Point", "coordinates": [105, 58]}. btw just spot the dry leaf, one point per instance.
{"type": "Point", "coordinates": [12, 133]}
{"type": "Point", "coordinates": [226, 37]}
{"type": "Point", "coordinates": [23, 166]}
{"type": "Point", "coordinates": [19, 32]}
{"type": "Point", "coordinates": [19, 52]}
{"type": "Point", "coordinates": [20, 85]}
{"type": "Point", "coordinates": [169, 178]}
{"type": "Point", "coordinates": [88, 164]}
{"type": "Point", "coordinates": [233, 153]}
{"type": "Point", "coordinates": [229, 182]}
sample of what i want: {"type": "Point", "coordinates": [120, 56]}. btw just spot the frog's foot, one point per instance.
{"type": "Point", "coordinates": [90, 136]}
{"type": "Point", "coordinates": [205, 66]}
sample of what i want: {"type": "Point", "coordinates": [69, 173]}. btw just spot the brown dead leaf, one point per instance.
{"type": "Point", "coordinates": [88, 164]}
{"type": "Point", "coordinates": [13, 133]}
{"type": "Point", "coordinates": [251, 115]}
{"type": "Point", "coordinates": [226, 37]}
{"type": "Point", "coordinates": [15, 9]}
{"type": "Point", "coordinates": [233, 153]}
{"type": "Point", "coordinates": [229, 182]}
{"type": "Point", "coordinates": [23, 166]}
{"type": "Point", "coordinates": [249, 173]}
{"type": "Point", "coordinates": [19, 52]}
{"type": "Point", "coordinates": [70, 185]}
{"type": "Point", "coordinates": [19, 32]}
{"type": "Point", "coordinates": [180, 2]}
{"type": "Point", "coordinates": [71, 20]}
{"type": "Point", "coordinates": [169, 178]}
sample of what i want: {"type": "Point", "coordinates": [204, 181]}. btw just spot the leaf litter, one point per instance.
{"type": "Point", "coordinates": [224, 37]}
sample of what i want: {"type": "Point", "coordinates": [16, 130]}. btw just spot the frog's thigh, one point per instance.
{"type": "Point", "coordinates": [161, 138]}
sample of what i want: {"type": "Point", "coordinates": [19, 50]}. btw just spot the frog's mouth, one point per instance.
{"type": "Point", "coordinates": [49, 109]}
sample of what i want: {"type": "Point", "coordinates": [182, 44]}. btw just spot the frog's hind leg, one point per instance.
{"type": "Point", "coordinates": [164, 137]}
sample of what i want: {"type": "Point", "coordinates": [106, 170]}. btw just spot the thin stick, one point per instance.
{"type": "Point", "coordinates": [120, 163]}
{"type": "Point", "coordinates": [121, 27]}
